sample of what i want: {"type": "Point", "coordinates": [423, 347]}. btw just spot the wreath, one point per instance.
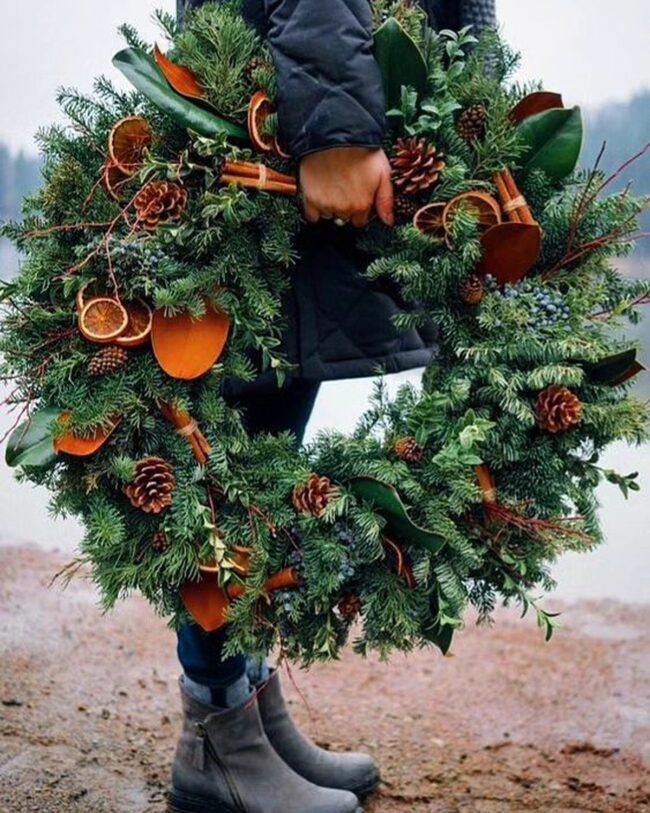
{"type": "Point", "coordinates": [155, 259]}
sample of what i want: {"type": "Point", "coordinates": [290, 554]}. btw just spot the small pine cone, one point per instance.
{"type": "Point", "coordinates": [350, 606]}
{"type": "Point", "coordinates": [159, 542]}
{"type": "Point", "coordinates": [108, 360]}
{"type": "Point", "coordinates": [314, 496]}
{"type": "Point", "coordinates": [473, 290]}
{"type": "Point", "coordinates": [152, 486]}
{"type": "Point", "coordinates": [471, 123]}
{"type": "Point", "coordinates": [406, 208]}
{"type": "Point", "coordinates": [256, 63]}
{"type": "Point", "coordinates": [416, 166]}
{"type": "Point", "coordinates": [160, 203]}
{"type": "Point", "coordinates": [558, 409]}
{"type": "Point", "coordinates": [409, 450]}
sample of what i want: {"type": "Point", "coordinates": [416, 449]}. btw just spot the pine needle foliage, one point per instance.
{"type": "Point", "coordinates": [234, 249]}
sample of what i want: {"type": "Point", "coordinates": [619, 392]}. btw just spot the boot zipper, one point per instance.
{"type": "Point", "coordinates": [203, 745]}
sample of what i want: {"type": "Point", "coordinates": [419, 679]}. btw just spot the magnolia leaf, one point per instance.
{"type": "Point", "coordinates": [387, 502]}
{"type": "Point", "coordinates": [439, 633]}
{"type": "Point", "coordinates": [401, 62]}
{"type": "Point", "coordinates": [554, 141]}
{"type": "Point", "coordinates": [143, 73]}
{"type": "Point", "coordinates": [182, 79]}
{"type": "Point", "coordinates": [534, 103]}
{"type": "Point", "coordinates": [615, 370]}
{"type": "Point", "coordinates": [32, 443]}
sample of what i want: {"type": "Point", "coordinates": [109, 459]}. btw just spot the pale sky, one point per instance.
{"type": "Point", "coordinates": [591, 50]}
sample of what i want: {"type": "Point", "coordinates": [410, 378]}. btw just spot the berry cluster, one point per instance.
{"type": "Point", "coordinates": [546, 307]}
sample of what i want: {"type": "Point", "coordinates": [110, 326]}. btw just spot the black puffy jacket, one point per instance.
{"type": "Point", "coordinates": [330, 94]}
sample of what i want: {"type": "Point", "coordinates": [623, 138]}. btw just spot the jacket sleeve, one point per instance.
{"type": "Point", "coordinates": [330, 88]}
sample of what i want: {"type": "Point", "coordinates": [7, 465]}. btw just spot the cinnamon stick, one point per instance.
{"type": "Point", "coordinates": [248, 169]}
{"type": "Point", "coordinates": [279, 581]}
{"type": "Point", "coordinates": [513, 202]}
{"type": "Point", "coordinates": [187, 427]}
{"type": "Point", "coordinates": [265, 186]}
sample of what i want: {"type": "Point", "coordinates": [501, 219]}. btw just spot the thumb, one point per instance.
{"type": "Point", "coordinates": [384, 200]}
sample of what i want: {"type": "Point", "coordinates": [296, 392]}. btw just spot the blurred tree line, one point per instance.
{"type": "Point", "coordinates": [625, 128]}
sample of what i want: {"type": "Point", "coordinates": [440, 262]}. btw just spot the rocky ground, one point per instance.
{"type": "Point", "coordinates": [89, 711]}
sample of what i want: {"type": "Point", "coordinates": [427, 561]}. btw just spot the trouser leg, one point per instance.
{"type": "Point", "coordinates": [201, 653]}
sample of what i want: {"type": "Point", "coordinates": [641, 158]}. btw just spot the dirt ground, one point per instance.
{"type": "Point", "coordinates": [89, 709]}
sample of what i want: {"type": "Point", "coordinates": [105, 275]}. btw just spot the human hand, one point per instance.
{"type": "Point", "coordinates": [347, 183]}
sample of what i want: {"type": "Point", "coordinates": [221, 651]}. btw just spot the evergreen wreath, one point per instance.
{"type": "Point", "coordinates": [154, 265]}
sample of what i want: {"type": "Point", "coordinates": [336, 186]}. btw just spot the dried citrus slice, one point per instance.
{"type": "Point", "coordinates": [139, 325]}
{"type": "Point", "coordinates": [127, 143]}
{"type": "Point", "coordinates": [102, 319]}
{"type": "Point", "coordinates": [277, 148]}
{"type": "Point", "coordinates": [485, 207]}
{"type": "Point", "coordinates": [113, 179]}
{"type": "Point", "coordinates": [259, 109]}
{"type": "Point", "coordinates": [89, 290]}
{"type": "Point", "coordinates": [428, 219]}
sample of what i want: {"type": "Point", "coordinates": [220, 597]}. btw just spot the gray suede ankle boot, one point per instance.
{"type": "Point", "coordinates": [354, 772]}
{"type": "Point", "coordinates": [224, 763]}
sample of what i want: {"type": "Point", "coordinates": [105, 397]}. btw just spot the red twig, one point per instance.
{"type": "Point", "coordinates": [533, 526]}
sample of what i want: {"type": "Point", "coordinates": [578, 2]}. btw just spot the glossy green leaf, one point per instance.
{"type": "Point", "coordinates": [614, 370]}
{"type": "Point", "coordinates": [31, 443]}
{"type": "Point", "coordinates": [401, 62]}
{"type": "Point", "coordinates": [439, 633]}
{"type": "Point", "coordinates": [387, 502]}
{"type": "Point", "coordinates": [143, 73]}
{"type": "Point", "coordinates": [554, 141]}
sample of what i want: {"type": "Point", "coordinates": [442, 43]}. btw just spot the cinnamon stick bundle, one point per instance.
{"type": "Point", "coordinates": [188, 428]}
{"type": "Point", "coordinates": [514, 204]}
{"type": "Point", "coordinates": [258, 176]}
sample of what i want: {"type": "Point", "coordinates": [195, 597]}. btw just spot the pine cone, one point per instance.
{"type": "Point", "coordinates": [471, 123]}
{"type": "Point", "coordinates": [159, 203]}
{"type": "Point", "coordinates": [406, 208]}
{"type": "Point", "coordinates": [350, 606]}
{"type": "Point", "coordinates": [314, 496]}
{"type": "Point", "coordinates": [473, 290]}
{"type": "Point", "coordinates": [558, 409]}
{"type": "Point", "coordinates": [108, 360]}
{"type": "Point", "coordinates": [416, 165]}
{"type": "Point", "coordinates": [152, 486]}
{"type": "Point", "coordinates": [408, 449]}
{"type": "Point", "coordinates": [256, 63]}
{"type": "Point", "coordinates": [159, 542]}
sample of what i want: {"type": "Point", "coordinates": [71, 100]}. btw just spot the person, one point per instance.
{"type": "Point", "coordinates": [239, 749]}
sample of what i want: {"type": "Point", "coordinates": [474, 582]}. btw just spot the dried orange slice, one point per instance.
{"type": "Point", "coordinates": [259, 109]}
{"type": "Point", "coordinates": [102, 319]}
{"type": "Point", "coordinates": [127, 143]}
{"type": "Point", "coordinates": [277, 148]}
{"type": "Point", "coordinates": [80, 446]}
{"type": "Point", "coordinates": [89, 290]}
{"type": "Point", "coordinates": [485, 207]}
{"type": "Point", "coordinates": [113, 179]}
{"type": "Point", "coordinates": [428, 219]}
{"type": "Point", "coordinates": [138, 328]}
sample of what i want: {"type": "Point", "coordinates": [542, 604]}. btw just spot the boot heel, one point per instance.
{"type": "Point", "coordinates": [178, 802]}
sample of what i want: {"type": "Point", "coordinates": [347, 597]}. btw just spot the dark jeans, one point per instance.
{"type": "Point", "coordinates": [272, 410]}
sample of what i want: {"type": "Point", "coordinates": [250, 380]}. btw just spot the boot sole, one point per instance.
{"type": "Point", "coordinates": [367, 790]}
{"type": "Point", "coordinates": [178, 802]}
{"type": "Point", "coordinates": [183, 803]}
